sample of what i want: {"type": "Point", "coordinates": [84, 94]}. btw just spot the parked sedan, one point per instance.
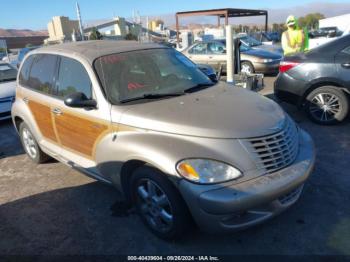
{"type": "Point", "coordinates": [7, 89]}
{"type": "Point", "coordinates": [253, 43]}
{"type": "Point", "coordinates": [252, 60]}
{"type": "Point", "coordinates": [318, 81]}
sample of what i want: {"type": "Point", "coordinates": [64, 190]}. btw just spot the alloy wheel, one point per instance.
{"type": "Point", "coordinates": [29, 143]}
{"type": "Point", "coordinates": [245, 68]}
{"type": "Point", "coordinates": [154, 205]}
{"type": "Point", "coordinates": [325, 106]}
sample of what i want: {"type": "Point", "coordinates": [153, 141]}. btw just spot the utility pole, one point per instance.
{"type": "Point", "coordinates": [80, 22]}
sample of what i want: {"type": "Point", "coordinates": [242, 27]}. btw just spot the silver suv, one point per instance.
{"type": "Point", "coordinates": [144, 118]}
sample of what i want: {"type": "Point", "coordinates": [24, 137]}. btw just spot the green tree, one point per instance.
{"type": "Point", "coordinates": [310, 21]}
{"type": "Point", "coordinates": [95, 34]}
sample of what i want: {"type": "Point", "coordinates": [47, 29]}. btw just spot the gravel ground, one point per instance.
{"type": "Point", "coordinates": [51, 209]}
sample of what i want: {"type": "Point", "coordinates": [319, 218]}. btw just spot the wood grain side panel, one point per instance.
{"type": "Point", "coordinates": [42, 116]}
{"type": "Point", "coordinates": [78, 134]}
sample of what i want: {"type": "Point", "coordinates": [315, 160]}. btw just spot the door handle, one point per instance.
{"type": "Point", "coordinates": [25, 100]}
{"type": "Point", "coordinates": [57, 111]}
{"type": "Point", "coordinates": [210, 57]}
{"type": "Point", "coordinates": [346, 65]}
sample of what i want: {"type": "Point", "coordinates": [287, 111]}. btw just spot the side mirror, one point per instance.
{"type": "Point", "coordinates": [79, 100]}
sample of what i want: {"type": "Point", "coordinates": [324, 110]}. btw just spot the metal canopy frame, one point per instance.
{"type": "Point", "coordinates": [222, 13]}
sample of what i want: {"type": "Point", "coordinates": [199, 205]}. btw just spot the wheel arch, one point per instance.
{"type": "Point", "coordinates": [126, 172]}
{"type": "Point", "coordinates": [129, 167]}
{"type": "Point", "coordinates": [320, 83]}
{"type": "Point", "coordinates": [17, 122]}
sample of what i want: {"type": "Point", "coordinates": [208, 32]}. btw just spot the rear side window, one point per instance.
{"type": "Point", "coordinates": [42, 73]}
{"type": "Point", "coordinates": [199, 49]}
{"type": "Point", "coordinates": [72, 78]}
{"type": "Point", "coordinates": [216, 48]}
{"type": "Point", "coordinates": [24, 74]}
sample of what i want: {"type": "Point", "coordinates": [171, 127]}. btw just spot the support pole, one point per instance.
{"type": "Point", "coordinates": [229, 54]}
{"type": "Point", "coordinates": [218, 21]}
{"type": "Point", "coordinates": [177, 31]}
{"type": "Point", "coordinates": [266, 22]}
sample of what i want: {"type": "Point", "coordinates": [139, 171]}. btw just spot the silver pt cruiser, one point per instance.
{"type": "Point", "coordinates": [144, 118]}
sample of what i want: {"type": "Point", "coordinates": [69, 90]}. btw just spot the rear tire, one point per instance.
{"type": "Point", "coordinates": [159, 204]}
{"type": "Point", "coordinates": [31, 146]}
{"type": "Point", "coordinates": [327, 105]}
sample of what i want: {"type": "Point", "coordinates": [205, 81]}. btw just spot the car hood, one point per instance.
{"type": "Point", "coordinates": [7, 89]}
{"type": "Point", "coordinates": [262, 53]}
{"type": "Point", "coordinates": [221, 111]}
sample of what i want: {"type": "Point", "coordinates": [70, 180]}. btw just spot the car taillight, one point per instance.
{"type": "Point", "coordinates": [285, 66]}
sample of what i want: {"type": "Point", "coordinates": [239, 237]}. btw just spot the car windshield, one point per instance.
{"type": "Point", "coordinates": [250, 41]}
{"type": "Point", "coordinates": [142, 74]}
{"type": "Point", "coordinates": [7, 73]}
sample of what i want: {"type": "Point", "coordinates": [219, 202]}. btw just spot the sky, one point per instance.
{"type": "Point", "coordinates": [35, 14]}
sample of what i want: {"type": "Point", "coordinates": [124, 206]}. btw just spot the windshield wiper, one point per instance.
{"type": "Point", "coordinates": [150, 96]}
{"type": "Point", "coordinates": [197, 87]}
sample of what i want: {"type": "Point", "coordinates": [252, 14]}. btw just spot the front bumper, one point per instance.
{"type": "Point", "coordinates": [241, 205]}
{"type": "Point", "coordinates": [267, 68]}
{"type": "Point", "coordinates": [289, 89]}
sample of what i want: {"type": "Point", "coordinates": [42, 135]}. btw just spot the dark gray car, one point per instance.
{"type": "Point", "coordinates": [318, 81]}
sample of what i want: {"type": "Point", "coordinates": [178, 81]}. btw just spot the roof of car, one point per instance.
{"type": "Point", "coordinates": [90, 50]}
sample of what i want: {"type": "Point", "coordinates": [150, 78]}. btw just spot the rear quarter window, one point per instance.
{"type": "Point", "coordinates": [25, 69]}
{"type": "Point", "coordinates": [42, 73]}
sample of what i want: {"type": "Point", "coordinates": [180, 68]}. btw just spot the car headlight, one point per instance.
{"type": "Point", "coordinates": [267, 60]}
{"type": "Point", "coordinates": [206, 171]}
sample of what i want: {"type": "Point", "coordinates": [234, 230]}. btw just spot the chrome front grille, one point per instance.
{"type": "Point", "coordinates": [275, 151]}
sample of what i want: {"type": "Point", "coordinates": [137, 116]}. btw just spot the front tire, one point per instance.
{"type": "Point", "coordinates": [31, 146]}
{"type": "Point", "coordinates": [159, 204]}
{"type": "Point", "coordinates": [327, 105]}
{"type": "Point", "coordinates": [247, 67]}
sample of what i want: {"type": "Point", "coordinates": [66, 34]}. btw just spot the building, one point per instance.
{"type": "Point", "coordinates": [62, 29]}
{"type": "Point", "coordinates": [117, 26]}
{"type": "Point", "coordinates": [156, 25]}
{"type": "Point", "coordinates": [341, 21]}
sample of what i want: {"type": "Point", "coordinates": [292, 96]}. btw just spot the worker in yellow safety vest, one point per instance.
{"type": "Point", "coordinates": [293, 40]}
